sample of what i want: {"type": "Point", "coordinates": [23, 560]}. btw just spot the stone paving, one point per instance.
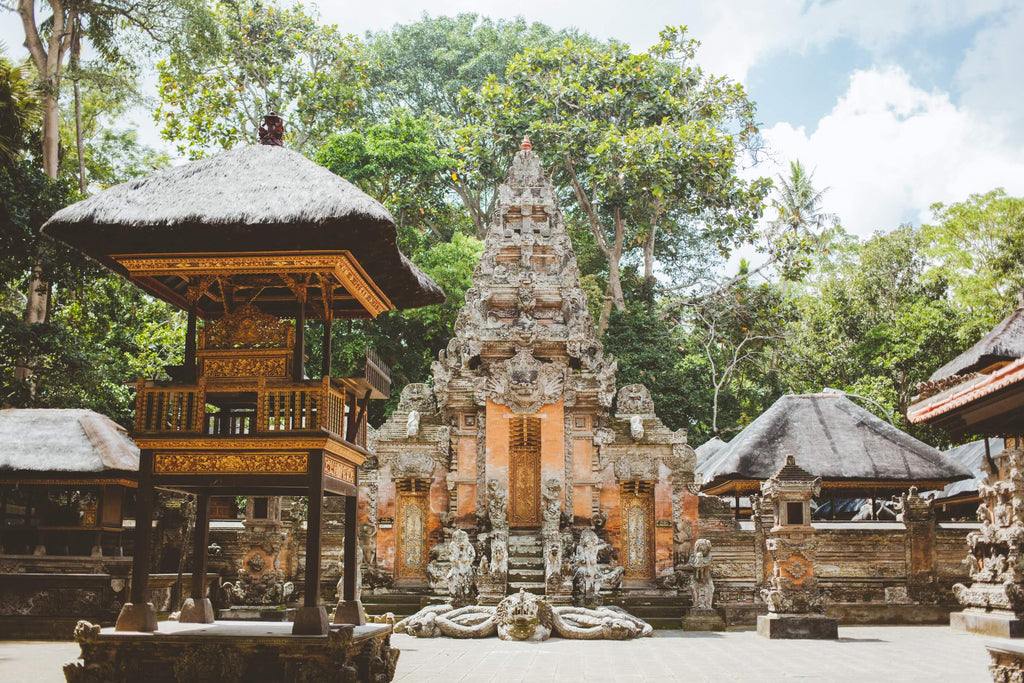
{"type": "Point", "coordinates": [863, 653]}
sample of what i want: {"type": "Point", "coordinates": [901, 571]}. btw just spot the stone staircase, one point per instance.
{"type": "Point", "coordinates": [400, 604]}
{"type": "Point", "coordinates": [525, 562]}
{"type": "Point", "coordinates": [661, 612]}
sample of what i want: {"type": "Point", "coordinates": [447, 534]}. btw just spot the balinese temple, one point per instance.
{"type": "Point", "coordinates": [253, 242]}
{"type": "Point", "coordinates": [960, 499]}
{"type": "Point", "coordinates": [981, 393]}
{"type": "Point", "coordinates": [856, 454]}
{"type": "Point", "coordinates": [522, 439]}
{"type": "Point", "coordinates": [66, 479]}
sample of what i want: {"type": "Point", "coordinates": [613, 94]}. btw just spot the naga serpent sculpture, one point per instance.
{"type": "Point", "coordinates": [524, 616]}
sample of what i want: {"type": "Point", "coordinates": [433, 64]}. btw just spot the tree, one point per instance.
{"type": "Point", "coordinates": [397, 162]}
{"type": "Point", "coordinates": [800, 226]}
{"type": "Point", "coordinates": [648, 143]}
{"type": "Point", "coordinates": [19, 108]}
{"type": "Point", "coordinates": [259, 57]}
{"type": "Point", "coordinates": [424, 66]}
{"type": "Point", "coordinates": [971, 243]}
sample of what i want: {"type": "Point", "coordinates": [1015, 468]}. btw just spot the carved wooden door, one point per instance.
{"type": "Point", "coordinates": [637, 507]}
{"type": "Point", "coordinates": [524, 472]}
{"type": "Point", "coordinates": [412, 528]}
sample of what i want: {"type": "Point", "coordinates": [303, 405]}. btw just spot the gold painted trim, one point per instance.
{"type": "Point", "coordinates": [339, 469]}
{"type": "Point", "coordinates": [253, 446]}
{"type": "Point", "coordinates": [224, 463]}
{"type": "Point", "coordinates": [341, 263]}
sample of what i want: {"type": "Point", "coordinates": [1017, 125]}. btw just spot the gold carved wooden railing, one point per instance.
{"type": "Point", "coordinates": [278, 407]}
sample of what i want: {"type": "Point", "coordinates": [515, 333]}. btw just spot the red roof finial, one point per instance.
{"type": "Point", "coordinates": [526, 143]}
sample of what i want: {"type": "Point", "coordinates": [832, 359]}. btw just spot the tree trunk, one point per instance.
{"type": "Point", "coordinates": [614, 296]}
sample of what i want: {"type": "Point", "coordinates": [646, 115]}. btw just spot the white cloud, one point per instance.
{"type": "Point", "coordinates": [989, 78]}
{"type": "Point", "coordinates": [888, 150]}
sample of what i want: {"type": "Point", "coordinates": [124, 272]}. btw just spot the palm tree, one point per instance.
{"type": "Point", "coordinates": [799, 206]}
{"type": "Point", "coordinates": [19, 106]}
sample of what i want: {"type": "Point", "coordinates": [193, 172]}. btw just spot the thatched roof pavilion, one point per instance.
{"type": "Point", "coordinates": [252, 202]}
{"type": "Point", "coordinates": [981, 391]}
{"type": "Point", "coordinates": [707, 452]}
{"type": "Point", "coordinates": [72, 445]}
{"type": "Point", "coordinates": [853, 451]}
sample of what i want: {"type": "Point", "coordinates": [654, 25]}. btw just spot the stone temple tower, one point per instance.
{"type": "Point", "coordinates": [521, 449]}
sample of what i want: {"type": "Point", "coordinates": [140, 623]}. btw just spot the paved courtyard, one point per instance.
{"type": "Point", "coordinates": [863, 653]}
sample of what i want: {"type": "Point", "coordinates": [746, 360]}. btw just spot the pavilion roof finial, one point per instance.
{"type": "Point", "coordinates": [272, 130]}
{"type": "Point", "coordinates": [526, 143]}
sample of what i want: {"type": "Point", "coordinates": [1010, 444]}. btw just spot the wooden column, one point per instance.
{"type": "Point", "coordinates": [190, 347]}
{"type": "Point", "coordinates": [351, 564]}
{"type": "Point", "coordinates": [200, 541]}
{"type": "Point", "coordinates": [3, 517]}
{"type": "Point", "coordinates": [311, 618]}
{"type": "Point", "coordinates": [314, 519]}
{"type": "Point", "coordinates": [325, 370]}
{"type": "Point", "coordinates": [138, 614]}
{"type": "Point", "coordinates": [299, 358]}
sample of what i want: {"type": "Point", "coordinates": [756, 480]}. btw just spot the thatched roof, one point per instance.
{"type": "Point", "coordinates": [831, 437]}
{"type": "Point", "coordinates": [707, 451]}
{"type": "Point", "coordinates": [63, 440]}
{"type": "Point", "coordinates": [257, 198]}
{"type": "Point", "coordinates": [972, 456]}
{"type": "Point", "coordinates": [1004, 343]}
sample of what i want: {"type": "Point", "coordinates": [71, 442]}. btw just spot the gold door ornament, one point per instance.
{"type": "Point", "coordinates": [413, 509]}
{"type": "Point", "coordinates": [524, 472]}
{"type": "Point", "coordinates": [637, 506]}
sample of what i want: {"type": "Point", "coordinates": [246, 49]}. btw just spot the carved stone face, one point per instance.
{"type": "Point", "coordinates": [634, 399]}
{"type": "Point", "coordinates": [417, 397]}
{"type": "Point", "coordinates": [524, 616]}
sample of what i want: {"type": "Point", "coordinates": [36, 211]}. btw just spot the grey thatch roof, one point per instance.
{"type": "Point", "coordinates": [1004, 342]}
{"type": "Point", "coordinates": [831, 437]}
{"type": "Point", "coordinates": [972, 456]}
{"type": "Point", "coordinates": [257, 198]}
{"type": "Point", "coordinates": [63, 440]}
{"type": "Point", "coordinates": [707, 451]}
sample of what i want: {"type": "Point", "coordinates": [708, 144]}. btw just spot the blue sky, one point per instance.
{"type": "Point", "coordinates": [896, 104]}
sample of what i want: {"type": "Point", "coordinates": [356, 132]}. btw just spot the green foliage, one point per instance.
{"type": "Point", "coordinates": [972, 243]}
{"type": "Point", "coordinates": [398, 162]}
{"type": "Point", "coordinates": [259, 57]}
{"type": "Point", "coordinates": [19, 107]}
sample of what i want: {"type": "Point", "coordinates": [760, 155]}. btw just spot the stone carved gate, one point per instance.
{"type": "Point", "coordinates": [524, 472]}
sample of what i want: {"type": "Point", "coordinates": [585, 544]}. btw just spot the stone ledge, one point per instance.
{"type": "Point", "coordinates": [987, 623]}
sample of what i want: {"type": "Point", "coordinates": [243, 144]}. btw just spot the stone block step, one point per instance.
{"type": "Point", "coordinates": [657, 612]}
{"type": "Point", "coordinates": [663, 623]}
{"type": "Point", "coordinates": [525, 564]}
{"type": "Point", "coordinates": [526, 575]}
{"type": "Point", "coordinates": [529, 587]}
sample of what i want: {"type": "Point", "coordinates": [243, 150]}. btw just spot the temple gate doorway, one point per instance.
{"type": "Point", "coordinates": [413, 509]}
{"type": "Point", "coordinates": [637, 505]}
{"type": "Point", "coordinates": [524, 472]}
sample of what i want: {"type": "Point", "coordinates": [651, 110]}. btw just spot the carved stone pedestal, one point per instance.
{"type": "Point", "coordinates": [1007, 661]}
{"type": "Point", "coordinates": [801, 626]}
{"type": "Point", "coordinates": [137, 618]}
{"type": "Point", "coordinates": [350, 612]}
{"type": "Point", "coordinates": [310, 621]}
{"type": "Point", "coordinates": [996, 624]}
{"type": "Point", "coordinates": [703, 620]}
{"type": "Point", "coordinates": [196, 611]}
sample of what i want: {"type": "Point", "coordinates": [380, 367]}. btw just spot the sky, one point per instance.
{"type": "Point", "coordinates": [894, 104]}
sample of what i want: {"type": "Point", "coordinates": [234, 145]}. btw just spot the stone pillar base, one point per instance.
{"type": "Point", "coordinates": [797, 626]}
{"type": "Point", "coordinates": [996, 624]}
{"type": "Point", "coordinates": [196, 611]}
{"type": "Point", "coordinates": [310, 621]}
{"type": "Point", "coordinates": [134, 617]}
{"type": "Point", "coordinates": [349, 612]}
{"type": "Point", "coordinates": [703, 620]}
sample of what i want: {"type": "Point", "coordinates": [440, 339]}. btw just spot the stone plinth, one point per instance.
{"type": "Point", "coordinates": [996, 624]}
{"type": "Point", "coordinates": [797, 626]}
{"type": "Point", "coordinates": [1007, 660]}
{"type": "Point", "coordinates": [703, 620]}
{"type": "Point", "coordinates": [253, 651]}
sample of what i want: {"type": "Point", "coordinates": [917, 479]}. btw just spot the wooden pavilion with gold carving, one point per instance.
{"type": "Point", "coordinates": [253, 242]}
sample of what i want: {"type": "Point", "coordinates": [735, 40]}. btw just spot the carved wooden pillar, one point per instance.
{"type": "Point", "coordinates": [198, 608]}
{"type": "Point", "coordinates": [139, 614]}
{"type": "Point", "coordinates": [350, 608]}
{"type": "Point", "coordinates": [311, 618]}
{"type": "Point", "coordinates": [299, 357]}
{"type": "Point", "coordinates": [190, 346]}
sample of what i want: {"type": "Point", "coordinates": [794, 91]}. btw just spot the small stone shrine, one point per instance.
{"type": "Point", "coordinates": [517, 445]}
{"type": "Point", "coordinates": [796, 604]}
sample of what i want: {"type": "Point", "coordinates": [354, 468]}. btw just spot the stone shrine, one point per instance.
{"type": "Point", "coordinates": [518, 444]}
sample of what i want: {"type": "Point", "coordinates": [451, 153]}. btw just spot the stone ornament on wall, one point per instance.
{"type": "Point", "coordinates": [634, 399]}
{"type": "Point", "coordinates": [525, 384]}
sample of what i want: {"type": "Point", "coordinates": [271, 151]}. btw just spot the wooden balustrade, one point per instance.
{"type": "Point", "coordinates": [278, 408]}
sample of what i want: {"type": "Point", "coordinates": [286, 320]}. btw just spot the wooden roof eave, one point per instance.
{"type": "Point", "coordinates": [745, 487]}
{"type": "Point", "coordinates": [125, 478]}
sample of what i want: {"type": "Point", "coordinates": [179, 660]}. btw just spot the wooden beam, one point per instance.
{"type": "Point", "coordinates": [314, 519]}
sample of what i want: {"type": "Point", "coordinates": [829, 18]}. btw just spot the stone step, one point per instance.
{"type": "Point", "coordinates": [526, 575]}
{"type": "Point", "coordinates": [525, 563]}
{"type": "Point", "coordinates": [657, 612]}
{"type": "Point", "coordinates": [528, 586]}
{"type": "Point", "coordinates": [663, 623]}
